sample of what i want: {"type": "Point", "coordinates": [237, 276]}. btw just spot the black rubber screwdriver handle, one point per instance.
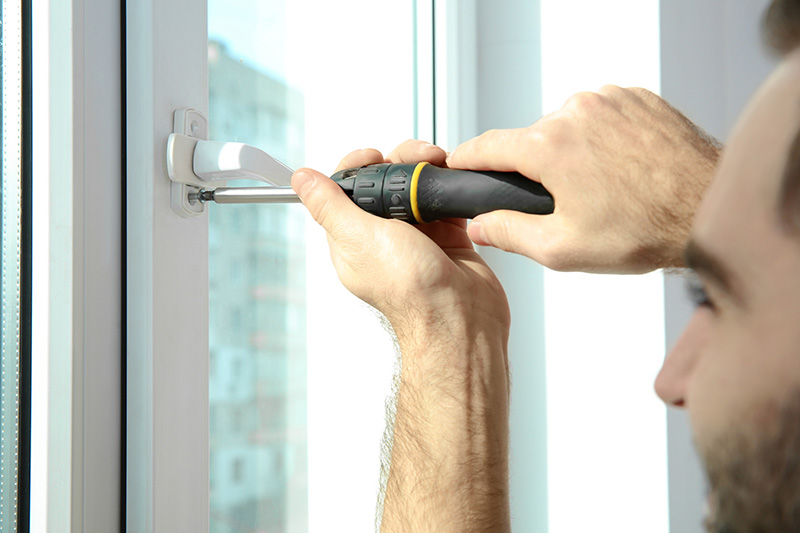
{"type": "Point", "coordinates": [420, 193]}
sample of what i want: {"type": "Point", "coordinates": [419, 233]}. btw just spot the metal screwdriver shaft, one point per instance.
{"type": "Point", "coordinates": [249, 195]}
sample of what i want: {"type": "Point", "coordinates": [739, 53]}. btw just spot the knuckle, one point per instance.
{"type": "Point", "coordinates": [611, 90]}
{"type": "Point", "coordinates": [372, 154]}
{"type": "Point", "coordinates": [641, 92]}
{"type": "Point", "coordinates": [648, 98]}
{"type": "Point", "coordinates": [485, 142]}
{"type": "Point", "coordinates": [349, 159]}
{"type": "Point", "coordinates": [644, 94]}
{"type": "Point", "coordinates": [416, 145]}
{"type": "Point", "coordinates": [586, 103]}
{"type": "Point", "coordinates": [632, 95]}
{"type": "Point", "coordinates": [616, 96]}
{"type": "Point", "coordinates": [358, 158]}
{"type": "Point", "coordinates": [551, 131]}
{"type": "Point", "coordinates": [404, 151]}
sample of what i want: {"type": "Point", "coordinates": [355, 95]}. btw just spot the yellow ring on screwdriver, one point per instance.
{"type": "Point", "coordinates": [414, 182]}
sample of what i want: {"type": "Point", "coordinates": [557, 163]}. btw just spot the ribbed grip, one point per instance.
{"type": "Point", "coordinates": [450, 193]}
{"type": "Point", "coordinates": [387, 189]}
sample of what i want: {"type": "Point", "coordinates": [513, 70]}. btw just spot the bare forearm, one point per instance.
{"type": "Point", "coordinates": [449, 464]}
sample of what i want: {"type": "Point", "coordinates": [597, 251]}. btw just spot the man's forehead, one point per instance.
{"type": "Point", "coordinates": [751, 169]}
{"type": "Point", "coordinates": [742, 204]}
{"type": "Point", "coordinates": [776, 104]}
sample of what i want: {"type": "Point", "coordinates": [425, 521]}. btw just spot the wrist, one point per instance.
{"type": "Point", "coordinates": [453, 315]}
{"type": "Point", "coordinates": [688, 195]}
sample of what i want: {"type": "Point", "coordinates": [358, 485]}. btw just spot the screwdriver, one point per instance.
{"type": "Point", "coordinates": [420, 192]}
{"type": "Point", "coordinates": [417, 193]}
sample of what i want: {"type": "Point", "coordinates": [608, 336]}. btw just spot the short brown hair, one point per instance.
{"type": "Point", "coordinates": [782, 25]}
{"type": "Point", "coordinates": [782, 33]}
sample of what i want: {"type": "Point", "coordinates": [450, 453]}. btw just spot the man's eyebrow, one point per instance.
{"type": "Point", "coordinates": [706, 263]}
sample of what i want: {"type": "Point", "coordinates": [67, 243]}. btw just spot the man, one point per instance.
{"type": "Point", "coordinates": [736, 368]}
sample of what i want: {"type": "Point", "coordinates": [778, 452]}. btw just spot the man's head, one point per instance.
{"type": "Point", "coordinates": [737, 366]}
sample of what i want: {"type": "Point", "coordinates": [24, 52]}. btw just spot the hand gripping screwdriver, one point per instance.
{"type": "Point", "coordinates": [420, 193]}
{"type": "Point", "coordinates": [417, 192]}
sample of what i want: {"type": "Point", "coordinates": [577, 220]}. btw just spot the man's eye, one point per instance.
{"type": "Point", "coordinates": [697, 292]}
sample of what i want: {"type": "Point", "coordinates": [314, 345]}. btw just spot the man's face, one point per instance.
{"type": "Point", "coordinates": [736, 368]}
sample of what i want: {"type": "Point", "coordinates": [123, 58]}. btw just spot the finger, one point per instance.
{"type": "Point", "coordinates": [360, 158]}
{"type": "Point", "coordinates": [328, 204]}
{"type": "Point", "coordinates": [458, 222]}
{"type": "Point", "coordinates": [414, 151]}
{"type": "Point", "coordinates": [447, 233]}
{"type": "Point", "coordinates": [529, 235]}
{"type": "Point", "coordinates": [499, 150]}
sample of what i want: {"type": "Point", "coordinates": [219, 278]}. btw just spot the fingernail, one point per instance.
{"type": "Point", "coordinates": [302, 182]}
{"type": "Point", "coordinates": [479, 229]}
{"type": "Point", "coordinates": [476, 230]}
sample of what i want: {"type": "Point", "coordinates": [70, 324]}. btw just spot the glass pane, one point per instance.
{"type": "Point", "coordinates": [10, 57]}
{"type": "Point", "coordinates": [305, 81]}
{"type": "Point", "coordinates": [257, 389]}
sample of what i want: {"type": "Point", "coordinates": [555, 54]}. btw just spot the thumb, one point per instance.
{"type": "Point", "coordinates": [327, 202]}
{"type": "Point", "coordinates": [512, 231]}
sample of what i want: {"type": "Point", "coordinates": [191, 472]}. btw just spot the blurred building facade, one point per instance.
{"type": "Point", "coordinates": [257, 388]}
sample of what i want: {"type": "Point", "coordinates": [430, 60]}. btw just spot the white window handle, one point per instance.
{"type": "Point", "coordinates": [219, 160]}
{"type": "Point", "coordinates": [195, 164]}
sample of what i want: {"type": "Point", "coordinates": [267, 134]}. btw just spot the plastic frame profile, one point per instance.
{"type": "Point", "coordinates": [167, 277]}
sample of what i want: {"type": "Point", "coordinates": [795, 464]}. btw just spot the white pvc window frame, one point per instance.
{"type": "Point", "coordinates": [167, 275]}
{"type": "Point", "coordinates": [76, 463]}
